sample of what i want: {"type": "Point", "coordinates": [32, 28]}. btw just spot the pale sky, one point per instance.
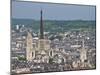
{"type": "Point", "coordinates": [31, 10]}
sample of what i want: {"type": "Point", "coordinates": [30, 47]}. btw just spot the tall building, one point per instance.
{"type": "Point", "coordinates": [83, 58]}
{"type": "Point", "coordinates": [30, 52]}
{"type": "Point", "coordinates": [44, 44]}
{"type": "Point", "coordinates": [83, 55]}
{"type": "Point", "coordinates": [42, 52]}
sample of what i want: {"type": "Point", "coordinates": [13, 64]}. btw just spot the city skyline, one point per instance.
{"type": "Point", "coordinates": [53, 46]}
{"type": "Point", "coordinates": [52, 11]}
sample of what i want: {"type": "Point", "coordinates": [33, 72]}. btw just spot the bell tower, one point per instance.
{"type": "Point", "coordinates": [83, 56]}
{"type": "Point", "coordinates": [30, 53]}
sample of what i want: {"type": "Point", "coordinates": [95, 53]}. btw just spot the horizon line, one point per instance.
{"type": "Point", "coordinates": [59, 19]}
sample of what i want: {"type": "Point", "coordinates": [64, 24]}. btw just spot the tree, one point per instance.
{"type": "Point", "coordinates": [21, 58]}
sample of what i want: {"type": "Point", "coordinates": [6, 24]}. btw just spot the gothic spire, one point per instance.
{"type": "Point", "coordinates": [41, 26]}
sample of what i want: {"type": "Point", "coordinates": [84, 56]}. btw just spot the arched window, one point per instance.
{"type": "Point", "coordinates": [32, 54]}
{"type": "Point", "coordinates": [50, 53]}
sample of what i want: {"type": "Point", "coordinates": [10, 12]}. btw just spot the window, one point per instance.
{"type": "Point", "coordinates": [32, 54]}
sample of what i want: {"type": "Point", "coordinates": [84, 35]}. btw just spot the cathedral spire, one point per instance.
{"type": "Point", "coordinates": [41, 26]}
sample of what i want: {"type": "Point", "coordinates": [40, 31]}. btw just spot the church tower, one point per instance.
{"type": "Point", "coordinates": [43, 50]}
{"type": "Point", "coordinates": [30, 53]}
{"type": "Point", "coordinates": [44, 44]}
{"type": "Point", "coordinates": [83, 56]}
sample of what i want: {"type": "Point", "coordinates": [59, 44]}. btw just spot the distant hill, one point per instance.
{"type": "Point", "coordinates": [54, 25]}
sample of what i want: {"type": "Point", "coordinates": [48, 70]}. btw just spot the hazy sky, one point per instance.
{"type": "Point", "coordinates": [30, 10]}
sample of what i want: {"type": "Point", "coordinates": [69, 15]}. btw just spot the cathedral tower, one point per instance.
{"type": "Point", "coordinates": [30, 53]}
{"type": "Point", "coordinates": [44, 44]}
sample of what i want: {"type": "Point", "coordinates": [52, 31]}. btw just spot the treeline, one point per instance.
{"type": "Point", "coordinates": [54, 25]}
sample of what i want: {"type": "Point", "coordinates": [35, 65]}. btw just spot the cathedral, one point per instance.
{"type": "Point", "coordinates": [41, 52]}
